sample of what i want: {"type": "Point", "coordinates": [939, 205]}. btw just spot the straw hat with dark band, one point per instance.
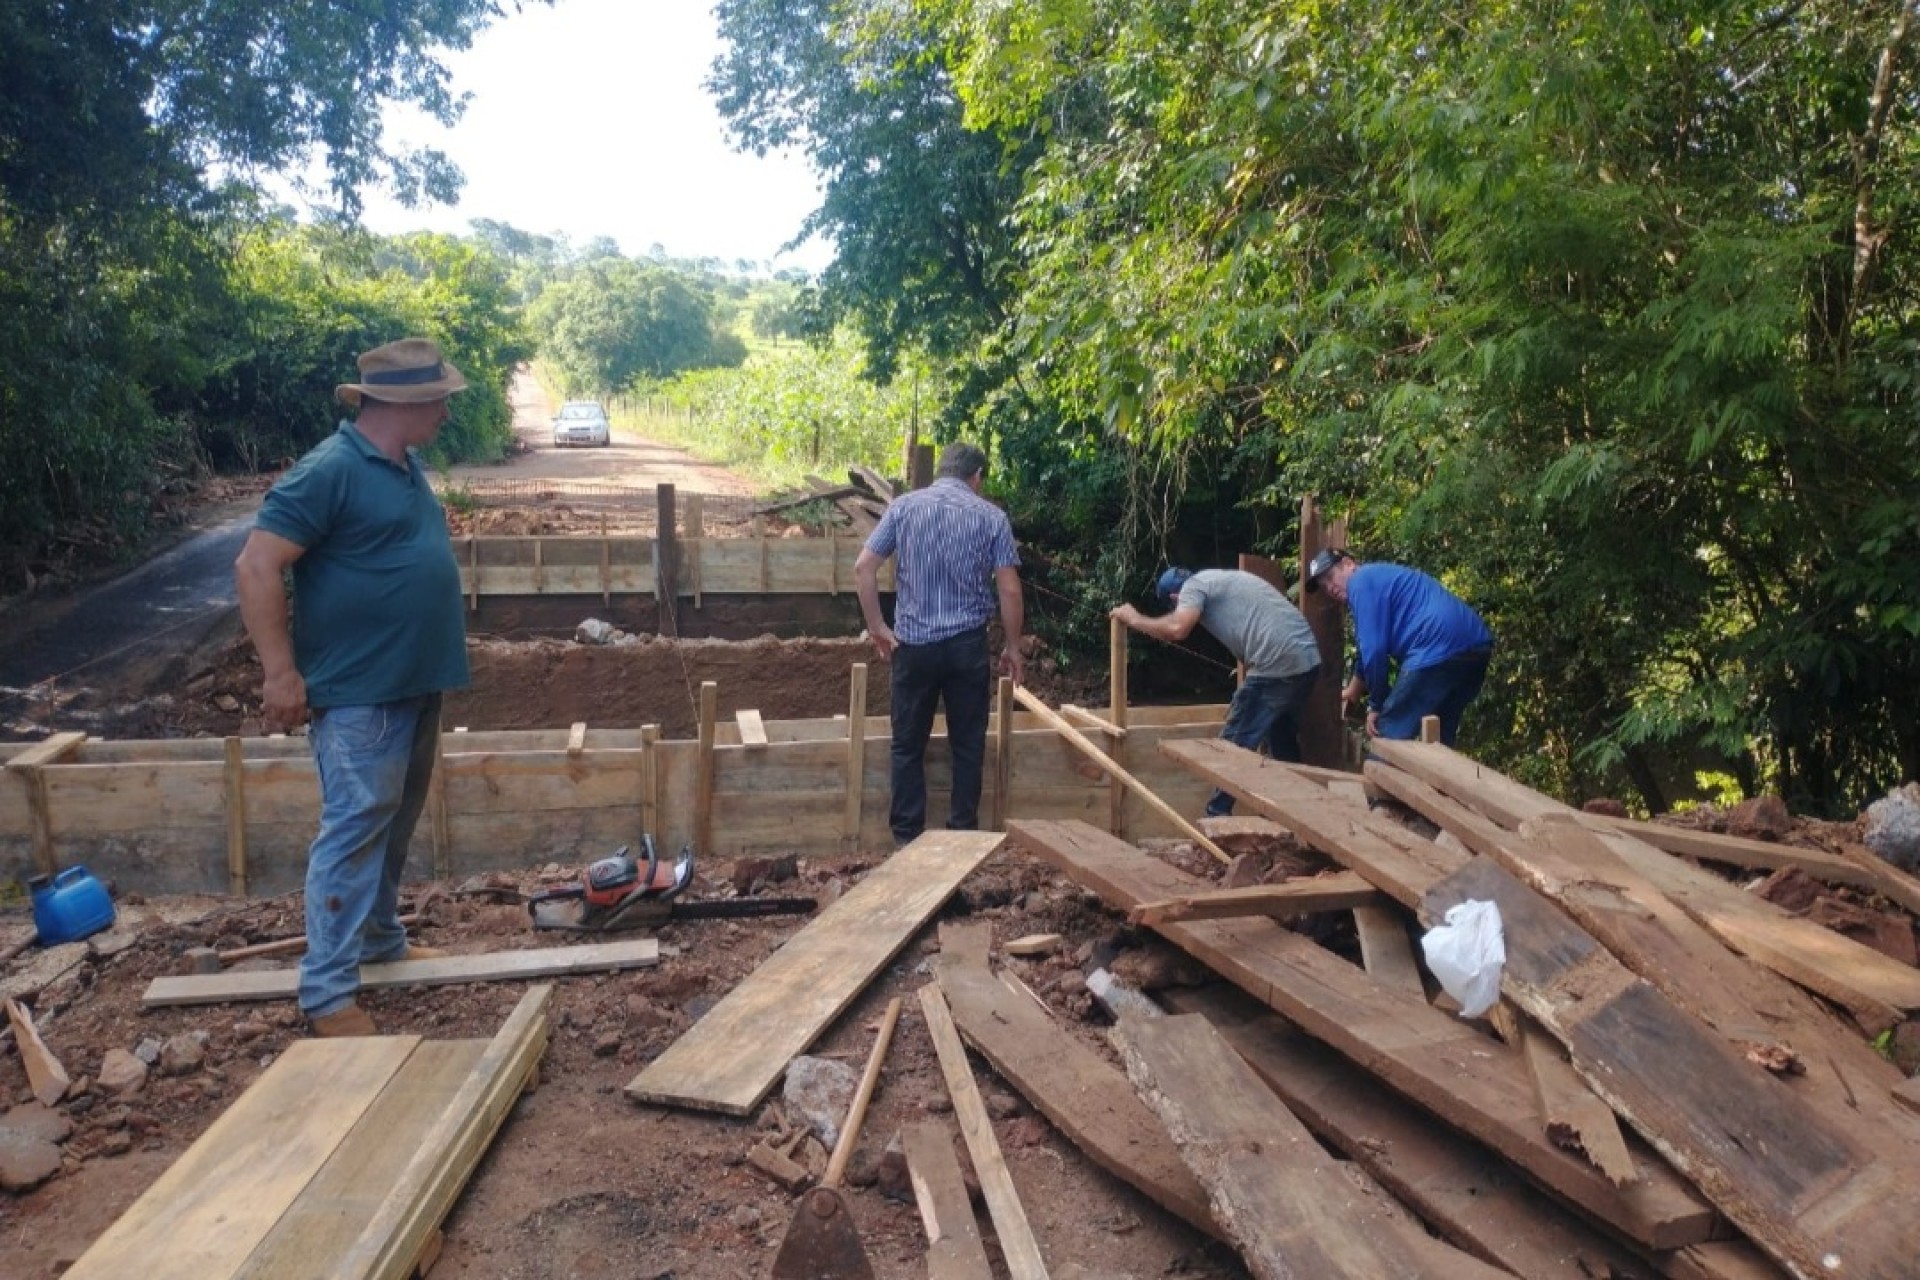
{"type": "Point", "coordinates": [410, 371]}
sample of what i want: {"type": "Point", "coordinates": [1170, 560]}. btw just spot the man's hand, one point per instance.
{"type": "Point", "coordinates": [1013, 663]}
{"type": "Point", "coordinates": [883, 640]}
{"type": "Point", "coordinates": [1373, 724]}
{"type": "Point", "coordinates": [1125, 613]}
{"type": "Point", "coordinates": [283, 700]}
{"type": "Point", "coordinates": [1356, 690]}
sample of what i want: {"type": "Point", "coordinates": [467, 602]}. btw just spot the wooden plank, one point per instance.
{"type": "Point", "coordinates": [1338, 891]}
{"type": "Point", "coordinates": [45, 1075]}
{"type": "Point", "coordinates": [323, 1222]}
{"type": "Point", "coordinates": [1293, 1210]}
{"type": "Point", "coordinates": [1002, 753]}
{"type": "Point", "coordinates": [1576, 1118]}
{"type": "Point", "coordinates": [213, 1206]}
{"type": "Point", "coordinates": [1087, 720]}
{"type": "Point", "coordinates": [650, 779]}
{"type": "Point", "coordinates": [1470, 1196]}
{"type": "Point", "coordinates": [1386, 950]}
{"type": "Point", "coordinates": [696, 539]}
{"type": "Point", "coordinates": [51, 750]}
{"type": "Point", "coordinates": [732, 1057]}
{"type": "Point", "coordinates": [236, 806]}
{"type": "Point", "coordinates": [1018, 1247]}
{"type": "Point", "coordinates": [1117, 709]}
{"type": "Point", "coordinates": [1442, 1063]}
{"type": "Point", "coordinates": [576, 739]}
{"type": "Point", "coordinates": [954, 1251]}
{"type": "Point", "coordinates": [753, 730]}
{"type": "Point", "coordinates": [856, 755]}
{"type": "Point", "coordinates": [1800, 1190]}
{"type": "Point", "coordinates": [1769, 1013]}
{"type": "Point", "coordinates": [1112, 766]}
{"type": "Point", "coordinates": [422, 1192]}
{"type": "Point", "coordinates": [439, 818]}
{"type": "Point", "coordinates": [497, 966]}
{"type": "Point", "coordinates": [1073, 1087]}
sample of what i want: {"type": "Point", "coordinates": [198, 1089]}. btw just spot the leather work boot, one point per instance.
{"type": "Point", "coordinates": [351, 1020]}
{"type": "Point", "coordinates": [415, 951]}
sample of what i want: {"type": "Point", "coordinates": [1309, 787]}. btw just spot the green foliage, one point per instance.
{"type": "Point", "coordinates": [612, 323]}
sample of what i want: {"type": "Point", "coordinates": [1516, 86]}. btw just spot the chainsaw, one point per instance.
{"type": "Point", "coordinates": [623, 892]}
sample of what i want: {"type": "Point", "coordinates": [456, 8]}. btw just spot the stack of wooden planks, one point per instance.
{"type": "Point", "coordinates": [1677, 1081]}
{"type": "Point", "coordinates": [341, 1160]}
{"type": "Point", "coordinates": [862, 500]}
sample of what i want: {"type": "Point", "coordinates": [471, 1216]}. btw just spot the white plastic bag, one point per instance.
{"type": "Point", "coordinates": [1466, 954]}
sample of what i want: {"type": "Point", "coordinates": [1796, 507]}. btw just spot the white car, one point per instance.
{"type": "Point", "coordinates": [580, 422]}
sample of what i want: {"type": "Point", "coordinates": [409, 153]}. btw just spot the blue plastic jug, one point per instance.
{"type": "Point", "coordinates": [69, 906]}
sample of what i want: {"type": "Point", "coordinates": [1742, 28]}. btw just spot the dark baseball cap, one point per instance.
{"type": "Point", "coordinates": [1323, 563]}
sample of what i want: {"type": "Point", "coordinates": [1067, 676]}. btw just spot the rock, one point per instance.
{"type": "Point", "coordinates": [1889, 934]}
{"type": "Point", "coordinates": [1069, 983]}
{"type": "Point", "coordinates": [1791, 889]}
{"type": "Point", "coordinates": [818, 1092]}
{"type": "Point", "coordinates": [183, 1054]}
{"type": "Point", "coordinates": [196, 960]}
{"type": "Point", "coordinates": [33, 1120]}
{"type": "Point", "coordinates": [1002, 1106]}
{"type": "Point", "coordinates": [644, 1015]}
{"type": "Point", "coordinates": [1893, 827]}
{"type": "Point", "coordinates": [116, 1143]}
{"type": "Point", "coordinates": [606, 1044]}
{"type": "Point", "coordinates": [1155, 967]}
{"type": "Point", "coordinates": [1761, 818]}
{"type": "Point", "coordinates": [700, 1006]}
{"type": "Point", "coordinates": [1034, 944]}
{"type": "Point", "coordinates": [1605, 806]}
{"type": "Point", "coordinates": [249, 1029]}
{"type": "Point", "coordinates": [890, 1174]}
{"type": "Point", "coordinates": [26, 1161]}
{"type": "Point", "coordinates": [227, 703]}
{"type": "Point", "coordinates": [122, 1074]}
{"type": "Point", "coordinates": [746, 1217]}
{"type": "Point", "coordinates": [940, 1104]}
{"type": "Point", "coordinates": [148, 1050]}
{"type": "Point", "coordinates": [1027, 1131]}
{"type": "Point", "coordinates": [595, 631]}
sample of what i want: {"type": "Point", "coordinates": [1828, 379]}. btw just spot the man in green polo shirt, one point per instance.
{"type": "Point", "coordinates": [376, 633]}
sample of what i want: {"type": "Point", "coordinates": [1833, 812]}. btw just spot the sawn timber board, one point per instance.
{"type": "Point", "coordinates": [1291, 1208]}
{"type": "Point", "coordinates": [1471, 1081]}
{"type": "Point", "coordinates": [493, 966]}
{"type": "Point", "coordinates": [733, 1056]}
{"type": "Point", "coordinates": [1084, 1096]}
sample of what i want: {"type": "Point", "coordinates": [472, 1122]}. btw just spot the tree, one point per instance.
{"type": "Point", "coordinates": [614, 322]}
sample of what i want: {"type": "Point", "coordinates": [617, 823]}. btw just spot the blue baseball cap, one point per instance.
{"type": "Point", "coordinates": [1170, 582]}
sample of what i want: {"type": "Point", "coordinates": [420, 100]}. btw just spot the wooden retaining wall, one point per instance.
{"type": "Point", "coordinates": [625, 565]}
{"type": "Point", "coordinates": [236, 815]}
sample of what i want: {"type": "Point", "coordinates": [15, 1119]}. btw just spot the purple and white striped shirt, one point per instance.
{"type": "Point", "coordinates": [948, 541]}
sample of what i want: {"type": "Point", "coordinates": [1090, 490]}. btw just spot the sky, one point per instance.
{"type": "Point", "coordinates": [590, 118]}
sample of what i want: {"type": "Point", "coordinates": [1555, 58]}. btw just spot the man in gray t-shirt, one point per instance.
{"type": "Point", "coordinates": [1261, 628]}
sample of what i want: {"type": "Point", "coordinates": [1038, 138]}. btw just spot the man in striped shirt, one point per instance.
{"type": "Point", "coordinates": [954, 562]}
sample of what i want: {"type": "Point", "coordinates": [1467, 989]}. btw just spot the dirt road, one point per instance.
{"type": "Point", "coordinates": [67, 663]}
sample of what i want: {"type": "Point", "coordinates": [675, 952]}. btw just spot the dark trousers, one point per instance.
{"type": "Point", "coordinates": [955, 673]}
{"type": "Point", "coordinates": [1443, 690]}
{"type": "Point", "coordinates": [1265, 712]}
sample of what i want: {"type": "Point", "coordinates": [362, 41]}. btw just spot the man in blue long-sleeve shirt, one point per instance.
{"type": "Point", "coordinates": [1423, 650]}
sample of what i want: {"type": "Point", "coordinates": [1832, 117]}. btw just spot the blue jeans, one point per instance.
{"type": "Point", "coordinates": [955, 673]}
{"type": "Point", "coordinates": [1443, 689]}
{"type": "Point", "coordinates": [375, 763]}
{"type": "Point", "coordinates": [1265, 712]}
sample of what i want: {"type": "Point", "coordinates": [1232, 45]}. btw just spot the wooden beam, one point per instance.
{"type": "Point", "coordinates": [1468, 1194]}
{"type": "Point", "coordinates": [45, 1076]}
{"type": "Point", "coordinates": [650, 780]}
{"type": "Point", "coordinates": [1112, 766]}
{"type": "Point", "coordinates": [577, 738]}
{"type": "Point", "coordinates": [954, 1251]}
{"type": "Point", "coordinates": [1076, 1089]}
{"type": "Point", "coordinates": [732, 1057]}
{"type": "Point", "coordinates": [753, 730]}
{"type": "Point", "coordinates": [497, 966]}
{"type": "Point", "coordinates": [1018, 1247]}
{"type": "Point", "coordinates": [666, 560]}
{"type": "Point", "coordinates": [1339, 891]}
{"type": "Point", "coordinates": [51, 750]}
{"type": "Point", "coordinates": [1323, 732]}
{"type": "Point", "coordinates": [235, 779]}
{"type": "Point", "coordinates": [703, 780]}
{"type": "Point", "coordinates": [1087, 720]}
{"type": "Point", "coordinates": [1576, 1118]}
{"type": "Point", "coordinates": [439, 818]}
{"type": "Point", "coordinates": [1290, 1207]}
{"type": "Point", "coordinates": [1441, 1062]}
{"type": "Point", "coordinates": [856, 755]}
{"type": "Point", "coordinates": [696, 539]}
{"type": "Point", "coordinates": [1819, 1203]}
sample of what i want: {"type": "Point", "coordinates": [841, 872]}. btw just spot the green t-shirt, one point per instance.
{"type": "Point", "coordinates": [377, 611]}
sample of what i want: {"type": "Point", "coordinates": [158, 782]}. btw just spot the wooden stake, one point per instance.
{"type": "Point", "coordinates": [1117, 712]}
{"type": "Point", "coordinates": [1112, 766]}
{"type": "Point", "coordinates": [856, 755]}
{"type": "Point", "coordinates": [236, 797]}
{"type": "Point", "coordinates": [1429, 728]}
{"type": "Point", "coordinates": [760, 537]}
{"type": "Point", "coordinates": [577, 738]}
{"type": "Point", "coordinates": [703, 784]}
{"type": "Point", "coordinates": [666, 569]}
{"type": "Point", "coordinates": [649, 778]}
{"type": "Point", "coordinates": [1002, 753]}
{"type": "Point", "coordinates": [439, 819]}
{"type": "Point", "coordinates": [539, 566]}
{"type": "Point", "coordinates": [696, 537]}
{"type": "Point", "coordinates": [606, 567]}
{"type": "Point", "coordinates": [29, 766]}
{"type": "Point", "coordinates": [473, 574]}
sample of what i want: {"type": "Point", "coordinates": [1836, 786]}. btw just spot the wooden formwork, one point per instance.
{"type": "Point", "coordinates": [237, 815]}
{"type": "Point", "coordinates": [628, 565]}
